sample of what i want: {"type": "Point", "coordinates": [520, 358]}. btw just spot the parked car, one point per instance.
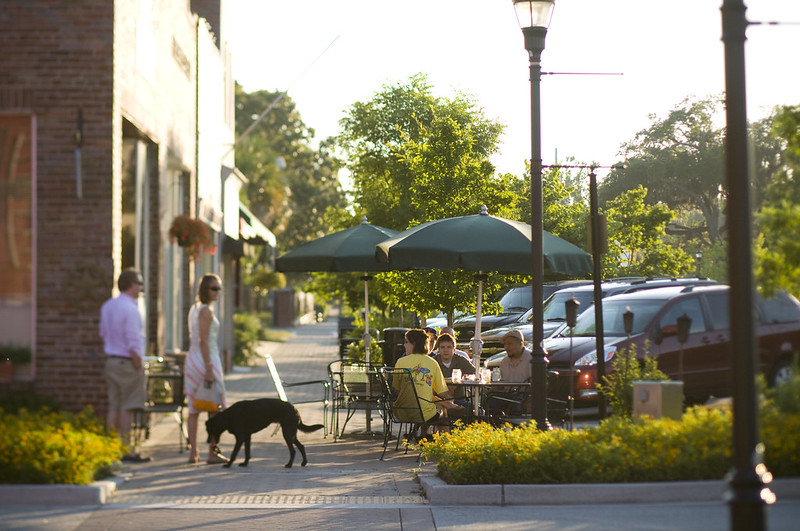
{"type": "Point", "coordinates": [554, 311]}
{"type": "Point", "coordinates": [440, 319]}
{"type": "Point", "coordinates": [515, 303]}
{"type": "Point", "coordinates": [705, 356]}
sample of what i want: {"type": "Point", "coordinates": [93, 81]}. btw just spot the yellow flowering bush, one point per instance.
{"type": "Point", "coordinates": [55, 447]}
{"type": "Point", "coordinates": [697, 447]}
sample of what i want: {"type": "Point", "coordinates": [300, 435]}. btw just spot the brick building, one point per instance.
{"type": "Point", "coordinates": [115, 117]}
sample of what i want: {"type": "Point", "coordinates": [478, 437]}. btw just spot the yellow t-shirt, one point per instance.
{"type": "Point", "coordinates": [428, 379]}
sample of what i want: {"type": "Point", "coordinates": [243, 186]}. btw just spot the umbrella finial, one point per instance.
{"type": "Point", "coordinates": [364, 219]}
{"type": "Point", "coordinates": [484, 210]}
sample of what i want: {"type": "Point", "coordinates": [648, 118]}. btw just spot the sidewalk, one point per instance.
{"type": "Point", "coordinates": [345, 485]}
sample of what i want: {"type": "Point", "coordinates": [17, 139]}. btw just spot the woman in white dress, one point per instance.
{"type": "Point", "coordinates": [203, 362]}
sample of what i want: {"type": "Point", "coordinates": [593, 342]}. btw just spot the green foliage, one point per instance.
{"type": "Point", "coordinates": [778, 252]}
{"type": "Point", "coordinates": [778, 249]}
{"type": "Point", "coordinates": [55, 447]}
{"type": "Point", "coordinates": [13, 401]}
{"type": "Point", "coordinates": [636, 239]}
{"type": "Point", "coordinates": [415, 157]}
{"type": "Point", "coordinates": [786, 396]}
{"type": "Point", "coordinates": [626, 369]}
{"type": "Point", "coordinates": [618, 450]}
{"type": "Point", "coordinates": [714, 263]}
{"type": "Point", "coordinates": [566, 207]}
{"type": "Point", "coordinates": [696, 447]}
{"type": "Point", "coordinates": [428, 292]}
{"type": "Point", "coordinates": [290, 183]}
{"type": "Point", "coordinates": [17, 354]}
{"type": "Point", "coordinates": [263, 280]}
{"type": "Point", "coordinates": [249, 329]}
{"type": "Point", "coordinates": [780, 418]}
{"type": "Point", "coordinates": [679, 159]}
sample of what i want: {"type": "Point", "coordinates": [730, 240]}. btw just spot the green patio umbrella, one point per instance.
{"type": "Point", "coordinates": [480, 243]}
{"type": "Point", "coordinates": [344, 251]}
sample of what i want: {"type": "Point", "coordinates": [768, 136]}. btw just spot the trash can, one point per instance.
{"type": "Point", "coordinates": [392, 346]}
{"type": "Point", "coordinates": [658, 399]}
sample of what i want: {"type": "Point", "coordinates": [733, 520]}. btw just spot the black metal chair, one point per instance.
{"type": "Point", "coordinates": [355, 387]}
{"type": "Point", "coordinates": [164, 396]}
{"type": "Point", "coordinates": [514, 406]}
{"type": "Point", "coordinates": [309, 397]}
{"type": "Point", "coordinates": [409, 413]}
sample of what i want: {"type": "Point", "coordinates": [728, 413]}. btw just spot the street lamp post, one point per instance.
{"type": "Point", "coordinates": [534, 17]}
{"type": "Point", "coordinates": [748, 495]}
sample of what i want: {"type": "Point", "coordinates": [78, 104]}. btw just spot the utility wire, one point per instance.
{"type": "Point", "coordinates": [278, 99]}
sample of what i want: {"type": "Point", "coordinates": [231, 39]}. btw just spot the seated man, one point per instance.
{"type": "Point", "coordinates": [449, 330]}
{"type": "Point", "coordinates": [515, 367]}
{"type": "Point", "coordinates": [448, 360]}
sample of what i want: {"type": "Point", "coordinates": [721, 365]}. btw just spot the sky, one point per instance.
{"type": "Point", "coordinates": [665, 52]}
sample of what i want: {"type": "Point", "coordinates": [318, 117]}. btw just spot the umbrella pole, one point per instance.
{"type": "Point", "coordinates": [366, 337]}
{"type": "Point", "coordinates": [475, 344]}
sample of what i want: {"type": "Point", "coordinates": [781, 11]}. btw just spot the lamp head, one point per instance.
{"type": "Point", "coordinates": [534, 13]}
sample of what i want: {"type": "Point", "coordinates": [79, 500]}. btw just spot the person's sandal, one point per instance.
{"type": "Point", "coordinates": [216, 460]}
{"type": "Point", "coordinates": [194, 460]}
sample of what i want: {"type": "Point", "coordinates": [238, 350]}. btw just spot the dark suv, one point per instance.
{"type": "Point", "coordinates": [706, 356]}
{"type": "Point", "coordinates": [554, 310]}
{"type": "Point", "coordinates": [515, 303]}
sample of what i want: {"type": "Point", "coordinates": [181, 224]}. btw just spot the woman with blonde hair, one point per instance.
{"type": "Point", "coordinates": [203, 363]}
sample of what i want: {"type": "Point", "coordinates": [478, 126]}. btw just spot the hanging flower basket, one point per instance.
{"type": "Point", "coordinates": [193, 235]}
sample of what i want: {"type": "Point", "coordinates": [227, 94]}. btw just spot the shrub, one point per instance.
{"type": "Point", "coordinates": [13, 401]}
{"type": "Point", "coordinates": [55, 447]}
{"type": "Point", "coordinates": [697, 447]}
{"type": "Point", "coordinates": [245, 337]}
{"type": "Point", "coordinates": [618, 385]}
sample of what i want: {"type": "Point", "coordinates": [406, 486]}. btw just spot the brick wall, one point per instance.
{"type": "Point", "coordinates": [50, 55]}
{"type": "Point", "coordinates": [58, 56]}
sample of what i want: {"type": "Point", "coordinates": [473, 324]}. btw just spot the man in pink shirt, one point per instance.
{"type": "Point", "coordinates": [123, 338]}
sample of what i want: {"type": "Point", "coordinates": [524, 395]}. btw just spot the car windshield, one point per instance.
{"type": "Point", "coordinates": [517, 299]}
{"type": "Point", "coordinates": [613, 325]}
{"type": "Point", "coordinates": [554, 309]}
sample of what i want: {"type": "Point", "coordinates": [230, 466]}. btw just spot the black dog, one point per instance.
{"type": "Point", "coordinates": [247, 417]}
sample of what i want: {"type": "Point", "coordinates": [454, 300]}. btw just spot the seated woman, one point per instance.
{"type": "Point", "coordinates": [427, 377]}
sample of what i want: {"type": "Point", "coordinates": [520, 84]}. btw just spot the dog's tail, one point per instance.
{"type": "Point", "coordinates": [308, 429]}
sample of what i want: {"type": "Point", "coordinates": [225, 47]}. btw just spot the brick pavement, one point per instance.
{"type": "Point", "coordinates": [342, 473]}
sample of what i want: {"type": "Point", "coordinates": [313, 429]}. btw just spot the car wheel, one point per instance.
{"type": "Point", "coordinates": [782, 372]}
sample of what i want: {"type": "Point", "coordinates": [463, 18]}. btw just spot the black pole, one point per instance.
{"type": "Point", "coordinates": [747, 495]}
{"type": "Point", "coordinates": [534, 43]}
{"type": "Point", "coordinates": [597, 279]}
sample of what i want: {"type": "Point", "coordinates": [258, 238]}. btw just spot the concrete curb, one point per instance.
{"type": "Point", "coordinates": [440, 493]}
{"type": "Point", "coordinates": [95, 494]}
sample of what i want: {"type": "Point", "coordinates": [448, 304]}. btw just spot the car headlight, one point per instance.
{"type": "Point", "coordinates": [591, 358]}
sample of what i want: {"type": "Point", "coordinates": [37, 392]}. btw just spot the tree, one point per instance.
{"type": "Point", "coordinates": [636, 244]}
{"type": "Point", "coordinates": [778, 248]}
{"type": "Point", "coordinates": [679, 160]}
{"type": "Point", "coordinates": [415, 157]}
{"type": "Point", "coordinates": [290, 184]}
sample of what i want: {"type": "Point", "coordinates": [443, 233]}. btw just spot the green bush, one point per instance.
{"type": "Point", "coordinates": [697, 447]}
{"type": "Point", "coordinates": [618, 386]}
{"type": "Point", "coordinates": [248, 330]}
{"type": "Point", "coordinates": [55, 447]}
{"type": "Point", "coordinates": [12, 402]}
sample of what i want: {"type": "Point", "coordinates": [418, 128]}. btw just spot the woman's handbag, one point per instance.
{"type": "Point", "coordinates": [206, 398]}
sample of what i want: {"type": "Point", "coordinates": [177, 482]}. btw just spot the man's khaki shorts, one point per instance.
{"type": "Point", "coordinates": [126, 384]}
